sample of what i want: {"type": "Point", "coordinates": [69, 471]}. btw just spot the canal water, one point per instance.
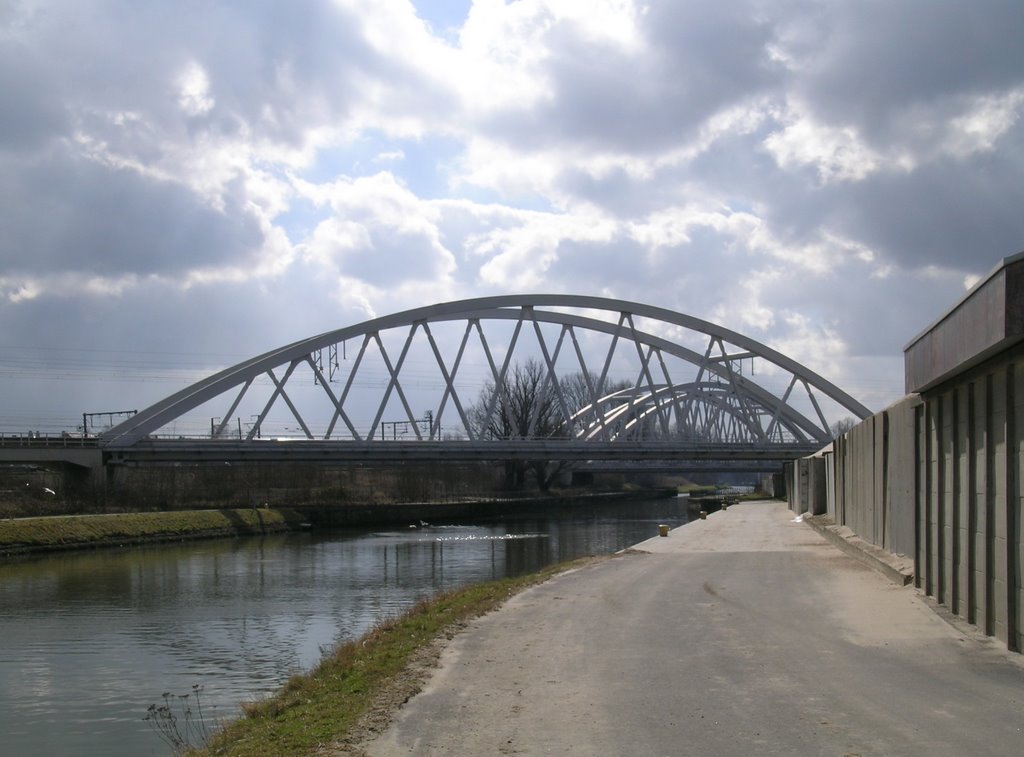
{"type": "Point", "coordinates": [89, 640]}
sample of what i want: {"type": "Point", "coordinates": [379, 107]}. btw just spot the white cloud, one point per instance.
{"type": "Point", "coordinates": [520, 252]}
{"type": "Point", "coordinates": [987, 119]}
{"type": "Point", "coordinates": [812, 343]}
{"type": "Point", "coordinates": [763, 164]}
{"type": "Point", "coordinates": [390, 156]}
{"type": "Point", "coordinates": [379, 231]}
{"type": "Point", "coordinates": [194, 91]}
{"type": "Point", "coordinates": [744, 308]}
{"type": "Point", "coordinates": [517, 172]}
{"type": "Point", "coordinates": [500, 46]}
{"type": "Point", "coordinates": [835, 153]}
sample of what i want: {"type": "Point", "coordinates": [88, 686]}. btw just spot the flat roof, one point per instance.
{"type": "Point", "coordinates": [1005, 262]}
{"type": "Point", "coordinates": [988, 319]}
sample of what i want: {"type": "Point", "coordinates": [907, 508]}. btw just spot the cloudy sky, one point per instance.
{"type": "Point", "coordinates": [186, 184]}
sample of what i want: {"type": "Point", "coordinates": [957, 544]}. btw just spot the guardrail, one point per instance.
{"type": "Point", "coordinates": [33, 439]}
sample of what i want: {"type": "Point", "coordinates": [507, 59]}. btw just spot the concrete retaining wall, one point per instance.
{"type": "Point", "coordinates": [937, 478]}
{"type": "Point", "coordinates": [969, 498]}
{"type": "Point", "coordinates": [807, 482]}
{"type": "Point", "coordinates": [874, 468]}
{"type": "Point", "coordinates": [773, 484]}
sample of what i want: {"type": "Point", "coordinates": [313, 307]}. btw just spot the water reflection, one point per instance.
{"type": "Point", "coordinates": [91, 639]}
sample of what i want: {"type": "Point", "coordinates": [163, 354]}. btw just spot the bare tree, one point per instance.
{"type": "Point", "coordinates": [532, 404]}
{"type": "Point", "coordinates": [527, 406]}
{"type": "Point", "coordinates": [840, 427]}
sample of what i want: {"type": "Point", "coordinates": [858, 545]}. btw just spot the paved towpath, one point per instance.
{"type": "Point", "coordinates": [746, 633]}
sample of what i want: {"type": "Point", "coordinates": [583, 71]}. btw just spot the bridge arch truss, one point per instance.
{"type": "Point", "coordinates": [439, 373]}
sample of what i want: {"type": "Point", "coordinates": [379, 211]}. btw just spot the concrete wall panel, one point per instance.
{"type": "Point", "coordinates": [921, 540]}
{"type": "Point", "coordinates": [901, 477]}
{"type": "Point", "coordinates": [998, 495]}
{"type": "Point", "coordinates": [1014, 532]}
{"type": "Point", "coordinates": [932, 552]}
{"type": "Point", "coordinates": [944, 498]}
{"type": "Point", "coordinates": [938, 477]}
{"type": "Point", "coordinates": [982, 475]}
{"type": "Point", "coordinates": [818, 503]}
{"type": "Point", "coordinates": [879, 498]}
{"type": "Point", "coordinates": [961, 505]}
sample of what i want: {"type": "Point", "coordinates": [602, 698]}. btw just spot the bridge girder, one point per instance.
{"type": "Point", "coordinates": [649, 336]}
{"type": "Point", "coordinates": [207, 452]}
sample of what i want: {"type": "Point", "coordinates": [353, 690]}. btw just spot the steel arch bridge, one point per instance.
{"type": "Point", "coordinates": [618, 380]}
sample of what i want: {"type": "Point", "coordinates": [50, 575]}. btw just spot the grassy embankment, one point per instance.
{"type": "Point", "coordinates": [29, 534]}
{"type": "Point", "coordinates": [324, 707]}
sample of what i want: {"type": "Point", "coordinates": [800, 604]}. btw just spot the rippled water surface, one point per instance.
{"type": "Point", "coordinates": [89, 640]}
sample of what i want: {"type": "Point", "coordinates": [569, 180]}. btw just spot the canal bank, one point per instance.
{"type": "Point", "coordinates": [19, 536]}
{"type": "Point", "coordinates": [745, 633]}
{"type": "Point", "coordinates": [92, 637]}
{"type": "Point", "coordinates": [22, 536]}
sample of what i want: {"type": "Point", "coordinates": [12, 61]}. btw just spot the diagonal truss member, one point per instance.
{"type": "Point", "coordinates": [717, 403]}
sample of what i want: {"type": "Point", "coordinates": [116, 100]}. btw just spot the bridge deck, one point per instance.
{"type": "Point", "coordinates": [320, 451]}
{"type": "Point", "coordinates": [38, 449]}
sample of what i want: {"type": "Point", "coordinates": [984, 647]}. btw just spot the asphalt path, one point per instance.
{"type": "Point", "coordinates": [746, 633]}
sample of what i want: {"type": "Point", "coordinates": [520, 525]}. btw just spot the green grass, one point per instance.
{"type": "Point", "coordinates": [51, 532]}
{"type": "Point", "coordinates": [321, 707]}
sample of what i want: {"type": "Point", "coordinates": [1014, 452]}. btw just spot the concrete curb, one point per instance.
{"type": "Point", "coordinates": [897, 568]}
